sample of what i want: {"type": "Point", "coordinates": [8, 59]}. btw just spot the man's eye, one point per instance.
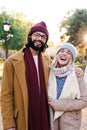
{"type": "Point", "coordinates": [44, 37]}
{"type": "Point", "coordinates": [36, 35]}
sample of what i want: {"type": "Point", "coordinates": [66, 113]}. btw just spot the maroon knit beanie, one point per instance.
{"type": "Point", "coordinates": [41, 27]}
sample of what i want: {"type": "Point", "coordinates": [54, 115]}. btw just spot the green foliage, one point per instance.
{"type": "Point", "coordinates": [17, 33]}
{"type": "Point", "coordinates": [76, 26]}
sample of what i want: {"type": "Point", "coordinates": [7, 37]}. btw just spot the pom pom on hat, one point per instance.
{"type": "Point", "coordinates": [41, 27]}
{"type": "Point", "coordinates": [71, 48]}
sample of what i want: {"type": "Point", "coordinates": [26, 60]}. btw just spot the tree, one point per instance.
{"type": "Point", "coordinates": [19, 29]}
{"type": "Point", "coordinates": [76, 25]}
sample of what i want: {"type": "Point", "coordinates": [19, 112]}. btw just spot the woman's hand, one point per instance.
{"type": "Point", "coordinates": [51, 103]}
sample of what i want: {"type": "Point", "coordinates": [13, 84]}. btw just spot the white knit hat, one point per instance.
{"type": "Point", "coordinates": [70, 47]}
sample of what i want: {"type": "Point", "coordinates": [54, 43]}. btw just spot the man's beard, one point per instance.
{"type": "Point", "coordinates": [37, 48]}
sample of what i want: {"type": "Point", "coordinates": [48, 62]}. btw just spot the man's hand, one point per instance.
{"type": "Point", "coordinates": [78, 71]}
{"type": "Point", "coordinates": [11, 129]}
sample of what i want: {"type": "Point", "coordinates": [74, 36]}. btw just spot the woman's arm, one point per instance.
{"type": "Point", "coordinates": [71, 104]}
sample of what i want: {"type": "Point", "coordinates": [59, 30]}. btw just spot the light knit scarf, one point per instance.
{"type": "Point", "coordinates": [63, 71]}
{"type": "Point", "coordinates": [70, 89]}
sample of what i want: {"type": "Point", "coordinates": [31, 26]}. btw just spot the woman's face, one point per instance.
{"type": "Point", "coordinates": [64, 57]}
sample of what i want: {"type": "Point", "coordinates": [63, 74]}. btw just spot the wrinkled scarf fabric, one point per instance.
{"type": "Point", "coordinates": [38, 106]}
{"type": "Point", "coordinates": [63, 71]}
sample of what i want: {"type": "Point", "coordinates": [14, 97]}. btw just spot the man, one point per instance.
{"type": "Point", "coordinates": [23, 95]}
{"type": "Point", "coordinates": [25, 76]}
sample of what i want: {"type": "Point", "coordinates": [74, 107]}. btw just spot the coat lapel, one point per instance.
{"type": "Point", "coordinates": [20, 72]}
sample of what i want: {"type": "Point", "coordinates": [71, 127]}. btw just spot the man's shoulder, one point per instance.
{"type": "Point", "coordinates": [18, 55]}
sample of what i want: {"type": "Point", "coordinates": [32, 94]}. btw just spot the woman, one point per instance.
{"type": "Point", "coordinates": [67, 93]}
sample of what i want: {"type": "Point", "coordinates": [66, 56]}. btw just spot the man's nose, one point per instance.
{"type": "Point", "coordinates": [40, 37]}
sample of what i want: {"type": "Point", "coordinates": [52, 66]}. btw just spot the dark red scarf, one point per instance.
{"type": "Point", "coordinates": [38, 106]}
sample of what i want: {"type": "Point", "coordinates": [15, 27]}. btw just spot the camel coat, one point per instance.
{"type": "Point", "coordinates": [71, 118]}
{"type": "Point", "coordinates": [14, 95]}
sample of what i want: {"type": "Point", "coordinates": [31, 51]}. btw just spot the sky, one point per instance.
{"type": "Point", "coordinates": [50, 11]}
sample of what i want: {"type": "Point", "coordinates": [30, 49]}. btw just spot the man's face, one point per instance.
{"type": "Point", "coordinates": [38, 41]}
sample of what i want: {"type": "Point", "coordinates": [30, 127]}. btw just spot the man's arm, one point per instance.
{"type": "Point", "coordinates": [79, 72]}
{"type": "Point", "coordinates": [11, 129]}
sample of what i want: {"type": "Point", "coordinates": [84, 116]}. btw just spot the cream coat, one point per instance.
{"type": "Point", "coordinates": [71, 119]}
{"type": "Point", "coordinates": [14, 96]}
